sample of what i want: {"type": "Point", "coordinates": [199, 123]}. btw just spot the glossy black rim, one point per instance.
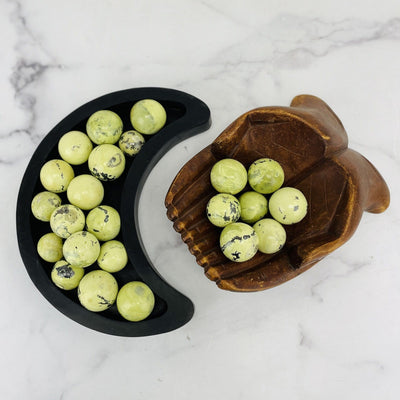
{"type": "Point", "coordinates": [189, 116]}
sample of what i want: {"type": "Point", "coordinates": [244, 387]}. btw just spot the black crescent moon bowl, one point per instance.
{"type": "Point", "coordinates": [186, 116]}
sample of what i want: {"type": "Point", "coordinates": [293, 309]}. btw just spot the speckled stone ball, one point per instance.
{"type": "Point", "coordinates": [81, 249]}
{"type": "Point", "coordinates": [239, 242]}
{"type": "Point", "coordinates": [49, 247]}
{"type": "Point", "coordinates": [85, 191]}
{"type": "Point", "coordinates": [66, 276]}
{"type": "Point", "coordinates": [55, 175]}
{"type": "Point", "coordinates": [43, 205]}
{"type": "Point", "coordinates": [265, 175]}
{"type": "Point", "coordinates": [288, 205]}
{"type": "Point", "coordinates": [66, 220]}
{"type": "Point", "coordinates": [74, 147]}
{"type": "Point", "coordinates": [228, 176]}
{"type": "Point", "coordinates": [113, 256]}
{"type": "Point", "coordinates": [104, 222]}
{"type": "Point", "coordinates": [253, 206]}
{"type": "Point", "coordinates": [106, 162]}
{"type": "Point", "coordinates": [97, 290]}
{"type": "Point", "coordinates": [148, 116]}
{"type": "Point", "coordinates": [131, 142]}
{"type": "Point", "coordinates": [223, 209]}
{"type": "Point", "coordinates": [271, 235]}
{"type": "Point", "coordinates": [104, 127]}
{"type": "Point", "coordinates": [135, 301]}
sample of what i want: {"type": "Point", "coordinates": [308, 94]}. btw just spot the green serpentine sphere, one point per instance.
{"type": "Point", "coordinates": [228, 176]}
{"type": "Point", "coordinates": [106, 162]}
{"type": "Point", "coordinates": [265, 175]}
{"type": "Point", "coordinates": [223, 209]}
{"type": "Point", "coordinates": [49, 247]}
{"type": "Point", "coordinates": [113, 256]}
{"type": "Point", "coordinates": [55, 175]}
{"type": "Point", "coordinates": [253, 206]}
{"type": "Point", "coordinates": [85, 191]}
{"type": "Point", "coordinates": [271, 235]}
{"type": "Point", "coordinates": [104, 126]}
{"type": "Point", "coordinates": [131, 142]}
{"type": "Point", "coordinates": [43, 205]}
{"type": "Point", "coordinates": [148, 116]}
{"type": "Point", "coordinates": [74, 147]}
{"type": "Point", "coordinates": [66, 220]}
{"type": "Point", "coordinates": [239, 242]}
{"type": "Point", "coordinates": [288, 205]}
{"type": "Point", "coordinates": [81, 249]}
{"type": "Point", "coordinates": [97, 290]}
{"type": "Point", "coordinates": [135, 301]}
{"type": "Point", "coordinates": [66, 276]}
{"type": "Point", "coordinates": [103, 222]}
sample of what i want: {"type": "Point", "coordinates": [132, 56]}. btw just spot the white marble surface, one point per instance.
{"type": "Point", "coordinates": [333, 332]}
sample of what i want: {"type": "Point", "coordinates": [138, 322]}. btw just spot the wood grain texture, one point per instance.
{"type": "Point", "coordinates": [310, 143]}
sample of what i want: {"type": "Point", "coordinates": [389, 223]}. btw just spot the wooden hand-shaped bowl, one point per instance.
{"type": "Point", "coordinates": [310, 143]}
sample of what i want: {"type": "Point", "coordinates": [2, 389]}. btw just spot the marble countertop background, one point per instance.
{"type": "Point", "coordinates": [333, 332]}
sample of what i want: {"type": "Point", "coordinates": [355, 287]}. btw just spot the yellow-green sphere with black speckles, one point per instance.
{"type": "Point", "coordinates": [239, 242]}
{"type": "Point", "coordinates": [85, 191]}
{"type": "Point", "coordinates": [113, 256]}
{"type": "Point", "coordinates": [135, 301]}
{"type": "Point", "coordinates": [81, 249]}
{"type": "Point", "coordinates": [66, 276]}
{"type": "Point", "coordinates": [104, 126]}
{"type": "Point", "coordinates": [104, 222]}
{"type": "Point", "coordinates": [131, 142]}
{"type": "Point", "coordinates": [66, 220]}
{"type": "Point", "coordinates": [271, 235]}
{"type": "Point", "coordinates": [55, 175]}
{"type": "Point", "coordinates": [43, 205]}
{"type": "Point", "coordinates": [223, 209]}
{"type": "Point", "coordinates": [106, 162]}
{"type": "Point", "coordinates": [74, 147]}
{"type": "Point", "coordinates": [148, 116]}
{"type": "Point", "coordinates": [288, 205]}
{"type": "Point", "coordinates": [97, 290]}
{"type": "Point", "coordinates": [265, 175]}
{"type": "Point", "coordinates": [49, 247]}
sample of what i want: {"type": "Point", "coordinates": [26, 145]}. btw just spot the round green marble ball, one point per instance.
{"type": "Point", "coordinates": [85, 191]}
{"type": "Point", "coordinates": [106, 162]}
{"type": "Point", "coordinates": [113, 256]}
{"type": "Point", "coordinates": [66, 220]}
{"type": "Point", "coordinates": [288, 205]}
{"type": "Point", "coordinates": [253, 206]}
{"type": "Point", "coordinates": [228, 176]}
{"type": "Point", "coordinates": [43, 205]}
{"type": "Point", "coordinates": [131, 142]}
{"type": "Point", "coordinates": [103, 222]}
{"type": "Point", "coordinates": [135, 301]}
{"type": "Point", "coordinates": [81, 249]}
{"type": "Point", "coordinates": [104, 127]}
{"type": "Point", "coordinates": [55, 175]}
{"type": "Point", "coordinates": [97, 290]}
{"type": "Point", "coordinates": [66, 276]}
{"type": "Point", "coordinates": [265, 175]}
{"type": "Point", "coordinates": [271, 235]}
{"type": "Point", "coordinates": [223, 209]}
{"type": "Point", "coordinates": [49, 247]}
{"type": "Point", "coordinates": [239, 242]}
{"type": "Point", "coordinates": [74, 147]}
{"type": "Point", "coordinates": [148, 116]}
